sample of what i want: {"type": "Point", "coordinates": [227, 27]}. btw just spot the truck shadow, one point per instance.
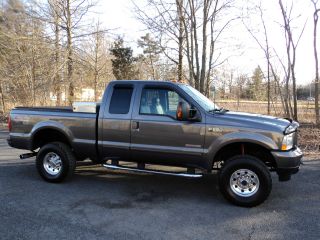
{"type": "Point", "coordinates": [140, 189]}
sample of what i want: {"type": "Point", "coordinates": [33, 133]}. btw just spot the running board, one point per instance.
{"type": "Point", "coordinates": [113, 167]}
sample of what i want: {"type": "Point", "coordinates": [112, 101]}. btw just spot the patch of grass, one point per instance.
{"type": "Point", "coordinates": [309, 140]}
{"type": "Point", "coordinates": [306, 113]}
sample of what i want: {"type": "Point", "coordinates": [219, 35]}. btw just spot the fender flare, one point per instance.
{"type": "Point", "coordinates": [51, 125]}
{"type": "Point", "coordinates": [239, 137]}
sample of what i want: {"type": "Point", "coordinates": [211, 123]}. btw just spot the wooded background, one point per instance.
{"type": "Point", "coordinates": [50, 53]}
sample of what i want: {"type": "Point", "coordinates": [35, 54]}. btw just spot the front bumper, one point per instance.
{"type": "Point", "coordinates": [288, 162]}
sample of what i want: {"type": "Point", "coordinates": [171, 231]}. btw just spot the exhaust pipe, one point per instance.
{"type": "Point", "coordinates": [28, 155]}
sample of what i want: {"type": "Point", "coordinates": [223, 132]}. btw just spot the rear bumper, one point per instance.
{"type": "Point", "coordinates": [288, 162]}
{"type": "Point", "coordinates": [19, 141]}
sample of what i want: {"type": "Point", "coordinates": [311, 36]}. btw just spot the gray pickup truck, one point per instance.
{"type": "Point", "coordinates": [154, 123]}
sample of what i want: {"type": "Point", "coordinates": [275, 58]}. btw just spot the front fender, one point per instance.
{"type": "Point", "coordinates": [238, 137]}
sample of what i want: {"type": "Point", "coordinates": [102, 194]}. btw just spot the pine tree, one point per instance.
{"type": "Point", "coordinates": [151, 51]}
{"type": "Point", "coordinates": [123, 63]}
{"type": "Point", "coordinates": [256, 85]}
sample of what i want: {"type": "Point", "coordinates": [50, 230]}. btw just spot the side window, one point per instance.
{"type": "Point", "coordinates": [173, 100]}
{"type": "Point", "coordinates": [157, 101]}
{"type": "Point", "coordinates": [120, 100]}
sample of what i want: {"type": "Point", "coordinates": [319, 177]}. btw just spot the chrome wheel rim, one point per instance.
{"type": "Point", "coordinates": [52, 163]}
{"type": "Point", "coordinates": [244, 182]}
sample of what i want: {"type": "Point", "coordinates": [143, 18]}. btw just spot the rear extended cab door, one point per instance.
{"type": "Point", "coordinates": [115, 121]}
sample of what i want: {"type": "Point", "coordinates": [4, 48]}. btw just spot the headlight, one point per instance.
{"type": "Point", "coordinates": [287, 142]}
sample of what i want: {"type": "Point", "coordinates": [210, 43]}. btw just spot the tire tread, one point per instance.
{"type": "Point", "coordinates": [69, 157]}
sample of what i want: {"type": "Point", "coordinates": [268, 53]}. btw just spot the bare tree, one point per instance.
{"type": "Point", "coordinates": [201, 45]}
{"type": "Point", "coordinates": [291, 48]}
{"type": "Point", "coordinates": [2, 100]}
{"type": "Point", "coordinates": [192, 27]}
{"type": "Point", "coordinates": [54, 12]}
{"type": "Point", "coordinates": [264, 46]}
{"type": "Point", "coordinates": [179, 4]}
{"type": "Point", "coordinates": [99, 59]}
{"type": "Point", "coordinates": [70, 14]}
{"type": "Point", "coordinates": [315, 51]}
{"type": "Point", "coordinates": [163, 19]}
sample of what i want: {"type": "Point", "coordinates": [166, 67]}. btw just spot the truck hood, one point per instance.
{"type": "Point", "coordinates": [249, 120]}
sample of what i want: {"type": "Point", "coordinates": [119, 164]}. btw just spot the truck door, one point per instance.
{"type": "Point", "coordinates": [116, 123]}
{"type": "Point", "coordinates": [157, 136]}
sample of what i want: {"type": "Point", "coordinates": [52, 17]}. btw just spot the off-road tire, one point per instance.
{"type": "Point", "coordinates": [253, 164]}
{"type": "Point", "coordinates": [67, 158]}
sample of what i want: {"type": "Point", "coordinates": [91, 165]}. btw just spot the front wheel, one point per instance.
{"type": "Point", "coordinates": [55, 162]}
{"type": "Point", "coordinates": [245, 181]}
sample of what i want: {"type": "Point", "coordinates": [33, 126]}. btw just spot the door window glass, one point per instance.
{"type": "Point", "coordinates": [120, 100]}
{"type": "Point", "coordinates": [156, 101]}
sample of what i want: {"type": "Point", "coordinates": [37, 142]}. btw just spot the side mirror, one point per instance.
{"type": "Point", "coordinates": [185, 113]}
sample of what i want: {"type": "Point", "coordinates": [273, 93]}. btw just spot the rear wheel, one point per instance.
{"type": "Point", "coordinates": [55, 162]}
{"type": "Point", "coordinates": [245, 181]}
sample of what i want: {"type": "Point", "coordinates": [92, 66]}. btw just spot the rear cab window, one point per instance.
{"type": "Point", "coordinates": [120, 99]}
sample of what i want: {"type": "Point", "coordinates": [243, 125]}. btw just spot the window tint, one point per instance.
{"type": "Point", "coordinates": [120, 100]}
{"type": "Point", "coordinates": [159, 102]}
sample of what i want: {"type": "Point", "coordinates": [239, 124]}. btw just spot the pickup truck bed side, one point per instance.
{"type": "Point", "coordinates": [33, 127]}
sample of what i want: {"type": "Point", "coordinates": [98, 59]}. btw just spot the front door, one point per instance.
{"type": "Point", "coordinates": [158, 137]}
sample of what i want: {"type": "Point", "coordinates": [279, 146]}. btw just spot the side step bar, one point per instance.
{"type": "Point", "coordinates": [113, 167]}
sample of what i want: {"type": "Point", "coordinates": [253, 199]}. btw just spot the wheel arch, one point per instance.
{"type": "Point", "coordinates": [237, 138]}
{"type": "Point", "coordinates": [49, 131]}
{"type": "Point", "coordinates": [244, 147]}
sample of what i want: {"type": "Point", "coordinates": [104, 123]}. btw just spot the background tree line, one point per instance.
{"type": "Point", "coordinates": [51, 50]}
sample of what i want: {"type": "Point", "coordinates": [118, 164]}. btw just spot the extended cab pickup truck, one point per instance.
{"type": "Point", "coordinates": [162, 123]}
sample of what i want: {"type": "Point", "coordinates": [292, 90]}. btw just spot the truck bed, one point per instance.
{"type": "Point", "coordinates": [80, 127]}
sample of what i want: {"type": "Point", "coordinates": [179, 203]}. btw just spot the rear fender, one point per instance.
{"type": "Point", "coordinates": [51, 125]}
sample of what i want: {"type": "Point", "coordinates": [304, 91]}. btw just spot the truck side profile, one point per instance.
{"type": "Point", "coordinates": [162, 123]}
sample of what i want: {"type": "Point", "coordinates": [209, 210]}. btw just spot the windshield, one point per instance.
{"type": "Point", "coordinates": [202, 100]}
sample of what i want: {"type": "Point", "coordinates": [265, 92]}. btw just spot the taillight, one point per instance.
{"type": "Point", "coordinates": [9, 123]}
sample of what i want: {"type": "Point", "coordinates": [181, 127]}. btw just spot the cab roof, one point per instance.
{"type": "Point", "coordinates": [148, 81]}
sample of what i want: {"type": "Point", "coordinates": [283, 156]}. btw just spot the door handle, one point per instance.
{"type": "Point", "coordinates": [135, 125]}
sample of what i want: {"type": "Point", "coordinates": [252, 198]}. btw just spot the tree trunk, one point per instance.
{"type": "Point", "coordinates": [189, 51]}
{"type": "Point", "coordinates": [180, 16]}
{"type": "Point", "coordinates": [289, 73]}
{"type": "Point", "coordinates": [2, 100]}
{"type": "Point", "coordinates": [316, 84]}
{"type": "Point", "coordinates": [33, 76]}
{"type": "Point", "coordinates": [268, 93]}
{"type": "Point", "coordinates": [95, 86]}
{"type": "Point", "coordinates": [70, 55]}
{"type": "Point", "coordinates": [193, 22]}
{"type": "Point", "coordinates": [96, 73]}
{"type": "Point", "coordinates": [204, 46]}
{"type": "Point", "coordinates": [294, 94]}
{"type": "Point", "coordinates": [283, 102]}
{"type": "Point", "coordinates": [57, 81]}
